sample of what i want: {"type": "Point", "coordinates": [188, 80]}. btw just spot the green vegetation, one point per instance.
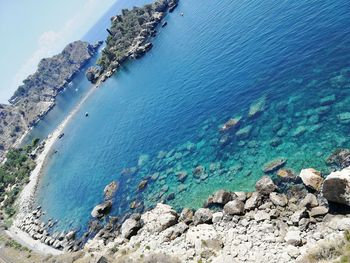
{"type": "Point", "coordinates": [14, 173]}
{"type": "Point", "coordinates": [125, 29]}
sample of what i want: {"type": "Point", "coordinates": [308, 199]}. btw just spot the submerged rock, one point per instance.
{"type": "Point", "coordinates": [181, 176]}
{"type": "Point", "coordinates": [230, 124]}
{"type": "Point", "coordinates": [142, 185]}
{"type": "Point", "coordinates": [311, 178]}
{"type": "Point", "coordinates": [111, 189]}
{"type": "Point", "coordinates": [244, 132]}
{"type": "Point", "coordinates": [274, 165]}
{"type": "Point", "coordinates": [336, 187]}
{"type": "Point", "coordinates": [344, 117]}
{"type": "Point", "coordinates": [328, 100]}
{"type": "Point", "coordinates": [257, 108]}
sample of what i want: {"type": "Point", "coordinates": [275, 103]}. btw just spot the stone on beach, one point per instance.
{"type": "Point", "coordinates": [265, 185]}
{"type": "Point", "coordinates": [336, 187]}
{"type": "Point", "coordinates": [220, 197]}
{"type": "Point", "coordinates": [202, 216]}
{"type": "Point", "coordinates": [278, 199]}
{"type": "Point", "coordinates": [235, 207]}
{"type": "Point", "coordinates": [130, 227]}
{"type": "Point", "coordinates": [159, 218]}
{"type": "Point", "coordinates": [311, 178]}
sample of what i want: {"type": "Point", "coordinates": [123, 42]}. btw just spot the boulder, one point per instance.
{"type": "Point", "coordinates": [102, 209]}
{"type": "Point", "coordinates": [202, 216]}
{"type": "Point", "coordinates": [159, 218]}
{"type": "Point", "coordinates": [298, 215]}
{"type": "Point", "coordinates": [293, 238]}
{"type": "Point", "coordinates": [311, 178]}
{"type": "Point", "coordinates": [220, 197]}
{"type": "Point", "coordinates": [175, 231]}
{"type": "Point", "coordinates": [235, 207]}
{"type": "Point", "coordinates": [242, 196]}
{"type": "Point", "coordinates": [92, 74]}
{"type": "Point", "coordinates": [278, 199]}
{"type": "Point", "coordinates": [265, 185]}
{"type": "Point", "coordinates": [336, 187]}
{"type": "Point", "coordinates": [186, 216]}
{"type": "Point", "coordinates": [253, 201]}
{"type": "Point", "coordinates": [110, 190]}
{"type": "Point", "coordinates": [217, 217]}
{"type": "Point", "coordinates": [261, 216]}
{"type": "Point", "coordinates": [130, 227]}
{"type": "Point", "coordinates": [274, 165]}
{"type": "Point", "coordinates": [318, 211]}
{"type": "Point", "coordinates": [309, 201]}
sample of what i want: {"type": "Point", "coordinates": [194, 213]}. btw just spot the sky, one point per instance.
{"type": "Point", "coordinates": [33, 29]}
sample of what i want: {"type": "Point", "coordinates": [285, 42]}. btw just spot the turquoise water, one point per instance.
{"type": "Point", "coordinates": [162, 113]}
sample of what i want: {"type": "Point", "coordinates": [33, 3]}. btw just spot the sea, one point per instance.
{"type": "Point", "coordinates": [281, 67]}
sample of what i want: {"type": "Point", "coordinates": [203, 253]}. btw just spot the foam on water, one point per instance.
{"type": "Point", "coordinates": [206, 67]}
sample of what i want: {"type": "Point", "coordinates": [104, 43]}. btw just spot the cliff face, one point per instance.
{"type": "Point", "coordinates": [36, 96]}
{"type": "Point", "coordinates": [38, 91]}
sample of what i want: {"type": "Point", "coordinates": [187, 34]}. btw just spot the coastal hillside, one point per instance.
{"type": "Point", "coordinates": [36, 96]}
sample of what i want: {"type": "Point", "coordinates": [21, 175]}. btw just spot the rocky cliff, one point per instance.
{"type": "Point", "coordinates": [32, 100]}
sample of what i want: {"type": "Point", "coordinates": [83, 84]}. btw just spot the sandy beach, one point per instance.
{"type": "Point", "coordinates": [25, 201]}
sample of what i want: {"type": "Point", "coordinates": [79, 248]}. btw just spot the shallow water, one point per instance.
{"type": "Point", "coordinates": [206, 67]}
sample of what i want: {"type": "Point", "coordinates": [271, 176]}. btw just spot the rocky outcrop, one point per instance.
{"type": "Point", "coordinates": [93, 73]}
{"type": "Point", "coordinates": [160, 218]}
{"type": "Point", "coordinates": [101, 210]}
{"type": "Point", "coordinates": [110, 190]}
{"type": "Point", "coordinates": [36, 96]}
{"type": "Point", "coordinates": [130, 36]}
{"type": "Point", "coordinates": [311, 178]}
{"type": "Point", "coordinates": [340, 158]}
{"type": "Point", "coordinates": [336, 187]}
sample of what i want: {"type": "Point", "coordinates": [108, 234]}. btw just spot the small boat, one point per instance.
{"type": "Point", "coordinates": [164, 23]}
{"type": "Point", "coordinates": [181, 14]}
{"type": "Point", "coordinates": [86, 114]}
{"type": "Point", "coordinates": [60, 136]}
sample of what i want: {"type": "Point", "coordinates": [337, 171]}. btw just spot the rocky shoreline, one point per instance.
{"type": "Point", "coordinates": [268, 225]}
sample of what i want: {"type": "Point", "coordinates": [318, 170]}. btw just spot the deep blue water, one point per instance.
{"type": "Point", "coordinates": [206, 67]}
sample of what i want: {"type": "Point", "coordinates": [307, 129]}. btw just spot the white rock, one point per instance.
{"type": "Point", "coordinates": [311, 178]}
